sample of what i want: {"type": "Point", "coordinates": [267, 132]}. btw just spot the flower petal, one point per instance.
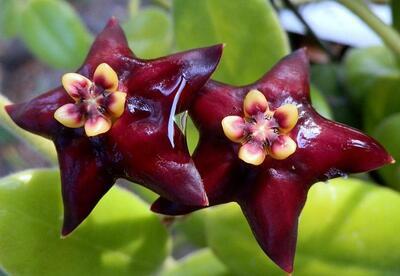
{"type": "Point", "coordinates": [254, 102]}
{"type": "Point", "coordinates": [116, 104]}
{"type": "Point", "coordinates": [97, 125]}
{"type": "Point", "coordinates": [76, 85]}
{"type": "Point", "coordinates": [283, 147]}
{"type": "Point", "coordinates": [85, 178]}
{"type": "Point", "coordinates": [286, 116]}
{"type": "Point", "coordinates": [272, 208]}
{"type": "Point", "coordinates": [252, 153]}
{"type": "Point", "coordinates": [106, 77]}
{"type": "Point", "coordinates": [70, 115]}
{"type": "Point", "coordinates": [233, 127]}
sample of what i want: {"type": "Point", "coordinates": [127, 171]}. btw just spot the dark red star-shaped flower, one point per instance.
{"type": "Point", "coordinates": [114, 118]}
{"type": "Point", "coordinates": [263, 146]}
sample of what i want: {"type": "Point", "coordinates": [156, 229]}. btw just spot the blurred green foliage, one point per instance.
{"type": "Point", "coordinates": [250, 28]}
{"type": "Point", "coordinates": [348, 227]}
{"type": "Point", "coordinates": [121, 236]}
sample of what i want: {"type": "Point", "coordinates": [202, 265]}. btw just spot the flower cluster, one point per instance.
{"type": "Point", "coordinates": [261, 145]}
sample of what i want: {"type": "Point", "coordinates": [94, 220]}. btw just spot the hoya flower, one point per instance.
{"type": "Point", "coordinates": [113, 118]}
{"type": "Point", "coordinates": [263, 146]}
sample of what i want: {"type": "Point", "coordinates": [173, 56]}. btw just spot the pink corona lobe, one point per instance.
{"type": "Point", "coordinates": [262, 131]}
{"type": "Point", "coordinates": [97, 102]}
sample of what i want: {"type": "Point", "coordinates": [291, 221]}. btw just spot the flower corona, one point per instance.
{"type": "Point", "coordinates": [96, 104]}
{"type": "Point", "coordinates": [262, 131]}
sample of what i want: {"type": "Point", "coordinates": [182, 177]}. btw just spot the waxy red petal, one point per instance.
{"type": "Point", "coordinates": [288, 79]}
{"type": "Point", "coordinates": [272, 208]}
{"type": "Point", "coordinates": [272, 195]}
{"type": "Point", "coordinates": [37, 115]}
{"type": "Point", "coordinates": [85, 179]}
{"type": "Point", "coordinates": [118, 55]}
{"type": "Point", "coordinates": [219, 182]}
{"type": "Point", "coordinates": [143, 145]}
{"type": "Point", "coordinates": [178, 75]}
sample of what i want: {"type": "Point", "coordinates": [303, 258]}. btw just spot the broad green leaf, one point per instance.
{"type": "Point", "coordinates": [54, 33]}
{"type": "Point", "coordinates": [328, 79]}
{"type": "Point", "coordinates": [9, 17]}
{"type": "Point", "coordinates": [348, 227]}
{"type": "Point", "coordinates": [120, 237]}
{"type": "Point", "coordinates": [146, 194]}
{"type": "Point", "coordinates": [320, 104]}
{"type": "Point", "coordinates": [388, 133]}
{"type": "Point", "coordinates": [192, 227]}
{"type": "Point", "coordinates": [364, 66]}
{"type": "Point", "coordinates": [254, 38]}
{"type": "Point", "coordinates": [382, 100]}
{"type": "Point", "coordinates": [149, 33]}
{"type": "Point", "coordinates": [199, 263]}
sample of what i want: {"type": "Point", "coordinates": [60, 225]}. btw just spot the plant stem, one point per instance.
{"type": "Point", "coordinates": [42, 145]}
{"type": "Point", "coordinates": [395, 5]}
{"type": "Point", "coordinates": [389, 36]}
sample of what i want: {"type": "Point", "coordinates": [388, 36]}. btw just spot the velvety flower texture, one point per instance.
{"type": "Point", "coordinates": [114, 119]}
{"type": "Point", "coordinates": [263, 146]}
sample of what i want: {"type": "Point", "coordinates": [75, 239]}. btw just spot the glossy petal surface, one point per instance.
{"type": "Point", "coordinates": [272, 194]}
{"type": "Point", "coordinates": [143, 145]}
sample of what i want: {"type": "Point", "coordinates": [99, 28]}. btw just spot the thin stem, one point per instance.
{"type": "Point", "coordinates": [395, 5]}
{"type": "Point", "coordinates": [42, 145]}
{"type": "Point", "coordinates": [309, 30]}
{"type": "Point", "coordinates": [389, 36]}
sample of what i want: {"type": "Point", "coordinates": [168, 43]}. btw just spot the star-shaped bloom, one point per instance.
{"type": "Point", "coordinates": [114, 118]}
{"type": "Point", "coordinates": [263, 146]}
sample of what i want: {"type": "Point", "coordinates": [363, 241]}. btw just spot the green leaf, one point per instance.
{"type": "Point", "coordinates": [382, 100]}
{"type": "Point", "coordinates": [373, 78]}
{"type": "Point", "coordinates": [254, 38]}
{"type": "Point", "coordinates": [149, 33]}
{"type": "Point", "coordinates": [192, 227]}
{"type": "Point", "coordinates": [348, 227]}
{"type": "Point", "coordinates": [388, 133]}
{"type": "Point", "coordinates": [364, 66]}
{"type": "Point", "coordinates": [120, 237]}
{"type": "Point", "coordinates": [9, 18]}
{"type": "Point", "coordinates": [199, 263]}
{"type": "Point", "coordinates": [192, 135]}
{"type": "Point", "coordinates": [54, 33]}
{"type": "Point", "coordinates": [320, 104]}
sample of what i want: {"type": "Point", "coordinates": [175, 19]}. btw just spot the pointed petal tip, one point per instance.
{"type": "Point", "coordinates": [285, 263]}
{"type": "Point", "coordinates": [67, 230]}
{"type": "Point", "coordinates": [113, 21]}
{"type": "Point", "coordinates": [9, 108]}
{"type": "Point", "coordinates": [196, 199]}
{"type": "Point", "coordinates": [13, 110]}
{"type": "Point", "coordinates": [165, 207]}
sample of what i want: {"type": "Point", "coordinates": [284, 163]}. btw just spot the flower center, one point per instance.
{"type": "Point", "coordinates": [262, 128]}
{"type": "Point", "coordinates": [262, 131]}
{"type": "Point", "coordinates": [97, 103]}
